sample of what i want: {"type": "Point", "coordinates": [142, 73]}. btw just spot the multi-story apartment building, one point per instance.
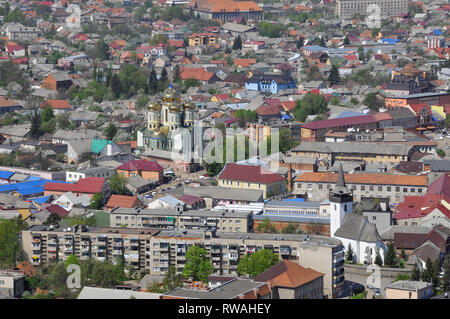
{"type": "Point", "coordinates": [196, 39]}
{"type": "Point", "coordinates": [154, 251]}
{"type": "Point", "coordinates": [187, 220]}
{"type": "Point", "coordinates": [346, 9]}
{"type": "Point", "coordinates": [315, 185]}
{"type": "Point", "coordinates": [43, 244]}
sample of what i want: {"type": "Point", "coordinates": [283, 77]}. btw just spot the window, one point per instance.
{"type": "Point", "coordinates": [419, 190]}
{"type": "Point", "coordinates": [374, 218]}
{"type": "Point", "coordinates": [405, 190]}
{"type": "Point", "coordinates": [380, 188]}
{"type": "Point", "coordinates": [397, 189]}
{"type": "Point", "coordinates": [388, 188]}
{"type": "Point", "coordinates": [371, 188]}
{"type": "Point", "coordinates": [363, 188]}
{"type": "Point", "coordinates": [320, 186]}
{"type": "Point", "coordinates": [413, 190]}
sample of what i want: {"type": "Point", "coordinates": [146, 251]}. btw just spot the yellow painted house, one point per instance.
{"type": "Point", "coordinates": [252, 177]}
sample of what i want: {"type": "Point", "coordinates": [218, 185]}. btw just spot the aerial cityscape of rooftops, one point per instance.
{"type": "Point", "coordinates": [224, 149]}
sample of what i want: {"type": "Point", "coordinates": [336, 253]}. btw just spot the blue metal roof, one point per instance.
{"type": "Point", "coordinates": [6, 174]}
{"type": "Point", "coordinates": [19, 187]}
{"type": "Point", "coordinates": [294, 200]}
{"type": "Point", "coordinates": [30, 190]}
{"type": "Point", "coordinates": [348, 114]}
{"type": "Point", "coordinates": [437, 32]}
{"type": "Point", "coordinates": [389, 41]}
{"type": "Point", "coordinates": [41, 200]}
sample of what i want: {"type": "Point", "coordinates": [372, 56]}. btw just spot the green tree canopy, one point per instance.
{"type": "Point", "coordinates": [256, 263]}
{"type": "Point", "coordinates": [11, 252]}
{"type": "Point", "coordinates": [118, 185]}
{"type": "Point", "coordinates": [310, 104]}
{"type": "Point", "coordinates": [97, 201]}
{"type": "Point", "coordinates": [197, 266]}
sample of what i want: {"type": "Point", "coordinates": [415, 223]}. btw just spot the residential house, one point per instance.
{"type": "Point", "coordinates": [252, 177]}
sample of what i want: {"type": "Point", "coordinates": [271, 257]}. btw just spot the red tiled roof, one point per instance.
{"type": "Point", "coordinates": [141, 165]}
{"type": "Point", "coordinates": [5, 102]}
{"type": "Point", "coordinates": [122, 201]}
{"type": "Point", "coordinates": [249, 173]}
{"type": "Point", "coordinates": [88, 185]}
{"type": "Point", "coordinates": [288, 274]}
{"type": "Point", "coordinates": [56, 209]}
{"type": "Point", "coordinates": [57, 104]}
{"type": "Point", "coordinates": [190, 199]}
{"type": "Point", "coordinates": [268, 109]}
{"type": "Point", "coordinates": [345, 121]}
{"type": "Point", "coordinates": [440, 186]}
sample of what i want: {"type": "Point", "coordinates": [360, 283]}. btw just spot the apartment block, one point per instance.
{"type": "Point", "coordinates": [153, 250]}
{"type": "Point", "coordinates": [346, 9]}
{"type": "Point", "coordinates": [186, 220]}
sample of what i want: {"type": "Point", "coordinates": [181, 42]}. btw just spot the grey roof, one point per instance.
{"type": "Point", "coordinates": [438, 165]}
{"type": "Point", "coordinates": [16, 130]}
{"type": "Point", "coordinates": [354, 147]}
{"type": "Point", "coordinates": [388, 234]}
{"type": "Point", "coordinates": [229, 290]}
{"type": "Point", "coordinates": [275, 203]}
{"type": "Point", "coordinates": [138, 181]}
{"type": "Point", "coordinates": [357, 227]}
{"type": "Point", "coordinates": [428, 250]}
{"type": "Point", "coordinates": [225, 193]}
{"type": "Point", "coordinates": [105, 293]}
{"type": "Point", "coordinates": [408, 285]}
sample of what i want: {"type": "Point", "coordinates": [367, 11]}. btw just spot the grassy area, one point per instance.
{"type": "Point", "coordinates": [101, 219]}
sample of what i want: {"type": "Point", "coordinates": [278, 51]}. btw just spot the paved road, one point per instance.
{"type": "Point", "coordinates": [362, 280]}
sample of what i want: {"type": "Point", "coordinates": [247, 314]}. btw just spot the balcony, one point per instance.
{"type": "Point", "coordinates": [285, 250]}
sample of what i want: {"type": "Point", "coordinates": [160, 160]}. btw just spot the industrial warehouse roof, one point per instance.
{"type": "Point", "coordinates": [354, 147]}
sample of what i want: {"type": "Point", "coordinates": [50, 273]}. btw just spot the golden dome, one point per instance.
{"type": "Point", "coordinates": [170, 94]}
{"type": "Point", "coordinates": [154, 106]}
{"type": "Point", "coordinates": [410, 70]}
{"type": "Point", "coordinates": [189, 106]}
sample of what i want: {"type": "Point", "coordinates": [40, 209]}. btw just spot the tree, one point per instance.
{"type": "Point", "coordinates": [35, 123]}
{"type": "Point", "coordinates": [255, 263]}
{"type": "Point", "coordinates": [349, 255]}
{"type": "Point", "coordinates": [391, 258]}
{"type": "Point", "coordinates": [237, 43]}
{"type": "Point", "coordinates": [415, 273]}
{"type": "Point", "coordinates": [72, 260]}
{"type": "Point", "coordinates": [171, 279]}
{"type": "Point", "coordinates": [446, 276]}
{"type": "Point", "coordinates": [142, 101]}
{"type": "Point", "coordinates": [115, 85]}
{"type": "Point", "coordinates": [102, 50]}
{"type": "Point", "coordinates": [63, 120]}
{"type": "Point", "coordinates": [197, 266]}
{"type": "Point", "coordinates": [427, 273]}
{"type": "Point", "coordinates": [441, 152]}
{"type": "Point", "coordinates": [118, 185]}
{"type": "Point", "coordinates": [310, 104]}
{"type": "Point", "coordinates": [152, 82]}
{"type": "Point", "coordinates": [163, 80]}
{"type": "Point", "coordinates": [346, 40]}
{"type": "Point", "coordinates": [289, 229]}
{"type": "Point", "coordinates": [97, 201]}
{"type": "Point", "coordinates": [110, 131]}
{"type": "Point", "coordinates": [361, 55]}
{"type": "Point", "coordinates": [378, 259]}
{"type": "Point", "coordinates": [246, 116]}
{"type": "Point", "coordinates": [176, 74]}
{"type": "Point", "coordinates": [52, 219]}
{"type": "Point", "coordinates": [300, 43]}
{"type": "Point", "coordinates": [373, 102]}
{"type": "Point", "coordinates": [334, 77]}
{"type": "Point", "coordinates": [10, 248]}
{"type": "Point", "coordinates": [266, 226]}
{"type": "Point", "coordinates": [435, 276]}
{"type": "Point", "coordinates": [47, 114]}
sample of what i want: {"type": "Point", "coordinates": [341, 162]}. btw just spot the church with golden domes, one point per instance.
{"type": "Point", "coordinates": [163, 119]}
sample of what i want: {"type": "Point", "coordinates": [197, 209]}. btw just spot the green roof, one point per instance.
{"type": "Point", "coordinates": [98, 144]}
